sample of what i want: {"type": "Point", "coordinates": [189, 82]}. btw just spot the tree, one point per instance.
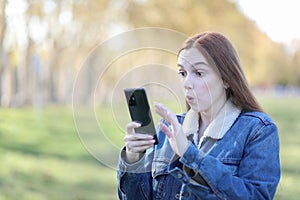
{"type": "Point", "coordinates": [59, 35]}
{"type": "Point", "coordinates": [296, 66]}
{"type": "Point", "coordinates": [2, 35]}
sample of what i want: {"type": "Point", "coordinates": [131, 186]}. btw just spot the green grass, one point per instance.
{"type": "Point", "coordinates": [43, 157]}
{"type": "Point", "coordinates": [286, 113]}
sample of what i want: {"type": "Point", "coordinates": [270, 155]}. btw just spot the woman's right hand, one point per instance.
{"type": "Point", "coordinates": [136, 143]}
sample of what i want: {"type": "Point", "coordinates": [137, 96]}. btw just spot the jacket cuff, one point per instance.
{"type": "Point", "coordinates": [192, 157]}
{"type": "Point", "coordinates": [137, 167]}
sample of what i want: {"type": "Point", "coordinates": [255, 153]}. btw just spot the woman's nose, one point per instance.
{"type": "Point", "coordinates": [187, 83]}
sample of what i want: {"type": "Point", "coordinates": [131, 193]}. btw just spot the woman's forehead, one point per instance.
{"type": "Point", "coordinates": [190, 57]}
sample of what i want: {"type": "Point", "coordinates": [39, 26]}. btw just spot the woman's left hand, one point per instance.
{"type": "Point", "coordinates": [176, 136]}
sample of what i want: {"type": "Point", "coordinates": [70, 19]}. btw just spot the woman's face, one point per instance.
{"type": "Point", "coordinates": [203, 86]}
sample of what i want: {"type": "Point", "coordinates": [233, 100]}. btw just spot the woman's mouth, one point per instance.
{"type": "Point", "coordinates": [189, 99]}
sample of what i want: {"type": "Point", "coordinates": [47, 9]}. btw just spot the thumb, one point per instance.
{"type": "Point", "coordinates": [131, 126]}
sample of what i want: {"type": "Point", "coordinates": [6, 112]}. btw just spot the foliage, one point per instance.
{"type": "Point", "coordinates": [44, 44]}
{"type": "Point", "coordinates": [264, 61]}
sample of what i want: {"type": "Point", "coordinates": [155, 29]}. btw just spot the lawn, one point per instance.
{"type": "Point", "coordinates": [43, 157]}
{"type": "Point", "coordinates": [286, 113]}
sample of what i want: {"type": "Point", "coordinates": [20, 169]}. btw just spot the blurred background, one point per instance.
{"type": "Point", "coordinates": [45, 43]}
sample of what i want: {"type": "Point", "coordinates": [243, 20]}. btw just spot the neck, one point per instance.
{"type": "Point", "coordinates": [209, 115]}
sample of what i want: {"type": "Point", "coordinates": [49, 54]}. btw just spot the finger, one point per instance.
{"type": "Point", "coordinates": [168, 115]}
{"type": "Point", "coordinates": [131, 126]}
{"type": "Point", "coordinates": [165, 130]}
{"type": "Point", "coordinates": [164, 112]}
{"type": "Point", "coordinates": [139, 149]}
{"type": "Point", "coordinates": [160, 109]}
{"type": "Point", "coordinates": [137, 137]}
{"type": "Point", "coordinates": [139, 146]}
{"type": "Point", "coordinates": [136, 143]}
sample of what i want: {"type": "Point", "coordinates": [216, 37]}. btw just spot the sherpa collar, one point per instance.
{"type": "Point", "coordinates": [218, 127]}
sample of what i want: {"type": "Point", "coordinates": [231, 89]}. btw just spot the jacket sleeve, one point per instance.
{"type": "Point", "coordinates": [135, 180]}
{"type": "Point", "coordinates": [258, 171]}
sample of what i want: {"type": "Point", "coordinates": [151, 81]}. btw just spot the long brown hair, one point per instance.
{"type": "Point", "coordinates": [221, 54]}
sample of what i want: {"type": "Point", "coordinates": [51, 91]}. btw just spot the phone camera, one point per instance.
{"type": "Point", "coordinates": [132, 101]}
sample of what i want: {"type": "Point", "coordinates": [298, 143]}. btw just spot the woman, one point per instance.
{"type": "Point", "coordinates": [223, 147]}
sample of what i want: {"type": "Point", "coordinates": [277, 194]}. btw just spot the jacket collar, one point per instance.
{"type": "Point", "coordinates": [218, 127]}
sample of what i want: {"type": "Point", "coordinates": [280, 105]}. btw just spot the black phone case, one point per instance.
{"type": "Point", "coordinates": [139, 110]}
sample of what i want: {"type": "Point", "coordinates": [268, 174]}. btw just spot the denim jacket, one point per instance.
{"type": "Point", "coordinates": [244, 164]}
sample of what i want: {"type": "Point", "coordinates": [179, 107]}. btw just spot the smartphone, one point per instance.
{"type": "Point", "coordinates": [140, 112]}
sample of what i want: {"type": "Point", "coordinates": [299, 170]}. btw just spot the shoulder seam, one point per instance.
{"type": "Point", "coordinates": [263, 117]}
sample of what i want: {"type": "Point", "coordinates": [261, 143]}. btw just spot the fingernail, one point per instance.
{"type": "Point", "coordinates": [138, 123]}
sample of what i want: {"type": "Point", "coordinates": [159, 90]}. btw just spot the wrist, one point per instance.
{"type": "Point", "coordinates": [132, 157]}
{"type": "Point", "coordinates": [184, 148]}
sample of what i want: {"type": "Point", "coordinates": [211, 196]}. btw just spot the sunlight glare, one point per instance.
{"type": "Point", "coordinates": [278, 19]}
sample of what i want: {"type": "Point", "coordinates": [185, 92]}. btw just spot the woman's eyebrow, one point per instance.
{"type": "Point", "coordinates": [194, 65]}
{"type": "Point", "coordinates": [200, 63]}
{"type": "Point", "coordinates": [180, 66]}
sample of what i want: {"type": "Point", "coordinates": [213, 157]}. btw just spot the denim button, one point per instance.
{"type": "Point", "coordinates": [179, 175]}
{"type": "Point", "coordinates": [177, 196]}
{"type": "Point", "coordinates": [185, 194]}
{"type": "Point", "coordinates": [185, 180]}
{"type": "Point", "coordinates": [122, 167]}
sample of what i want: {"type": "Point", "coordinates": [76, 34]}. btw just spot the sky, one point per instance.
{"type": "Point", "coordinates": [279, 19]}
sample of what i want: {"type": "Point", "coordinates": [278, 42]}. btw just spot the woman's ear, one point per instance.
{"type": "Point", "coordinates": [226, 85]}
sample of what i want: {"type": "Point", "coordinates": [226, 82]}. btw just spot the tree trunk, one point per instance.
{"type": "Point", "coordinates": [2, 35]}
{"type": "Point", "coordinates": [28, 76]}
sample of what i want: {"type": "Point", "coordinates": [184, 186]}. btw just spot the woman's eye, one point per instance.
{"type": "Point", "coordinates": [181, 73]}
{"type": "Point", "coordinates": [199, 74]}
